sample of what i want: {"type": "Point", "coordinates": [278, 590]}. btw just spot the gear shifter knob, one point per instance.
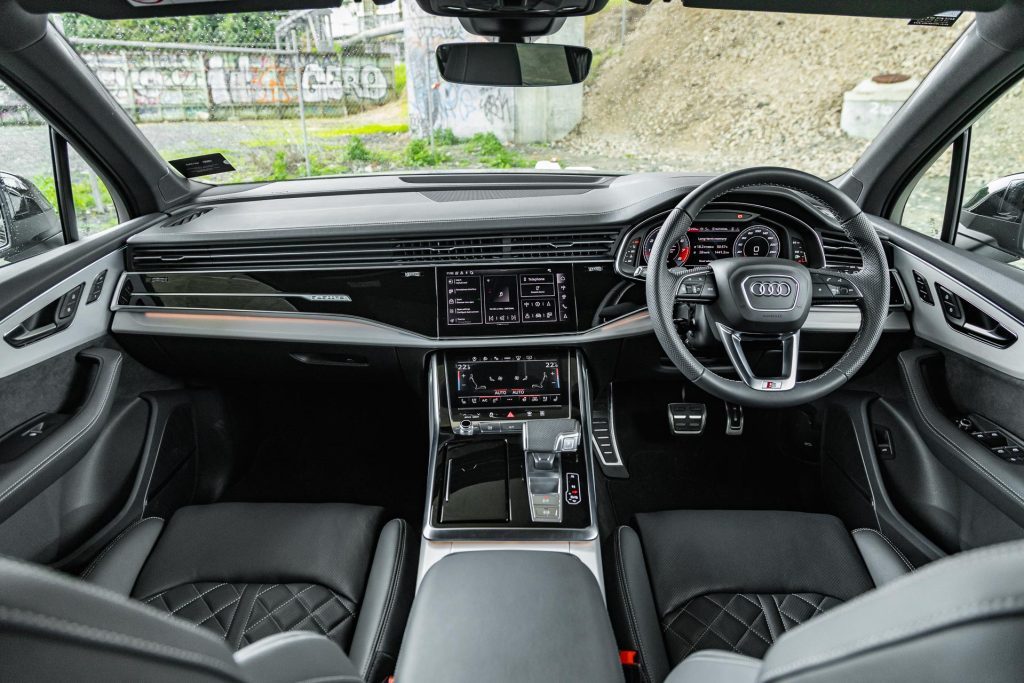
{"type": "Point", "coordinates": [551, 436]}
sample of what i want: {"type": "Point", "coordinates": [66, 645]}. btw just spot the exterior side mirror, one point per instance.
{"type": "Point", "coordinates": [5, 219]}
{"type": "Point", "coordinates": [992, 220]}
{"type": "Point", "coordinates": [29, 225]}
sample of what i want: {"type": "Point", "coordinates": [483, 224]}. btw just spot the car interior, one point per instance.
{"type": "Point", "coordinates": [513, 425]}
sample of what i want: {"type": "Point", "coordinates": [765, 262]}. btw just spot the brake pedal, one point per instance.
{"type": "Point", "coordinates": [733, 419]}
{"type": "Point", "coordinates": [687, 418]}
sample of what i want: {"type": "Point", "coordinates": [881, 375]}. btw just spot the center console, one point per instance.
{"type": "Point", "coordinates": [510, 465]}
{"type": "Point", "coordinates": [510, 461]}
{"type": "Point", "coordinates": [510, 584]}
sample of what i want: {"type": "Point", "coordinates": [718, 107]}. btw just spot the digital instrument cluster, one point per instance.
{"type": "Point", "coordinates": [702, 244]}
{"type": "Point", "coordinates": [714, 235]}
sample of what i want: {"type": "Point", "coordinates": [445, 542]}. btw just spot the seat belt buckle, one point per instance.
{"type": "Point", "coordinates": [630, 661]}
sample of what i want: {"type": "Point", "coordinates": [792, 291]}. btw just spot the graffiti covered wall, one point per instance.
{"type": "Point", "coordinates": [513, 114]}
{"type": "Point", "coordinates": [174, 85]}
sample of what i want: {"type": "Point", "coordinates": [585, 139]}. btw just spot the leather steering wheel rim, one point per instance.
{"type": "Point", "coordinates": [871, 282]}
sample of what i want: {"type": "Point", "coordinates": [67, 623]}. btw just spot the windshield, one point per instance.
{"type": "Point", "coordinates": [356, 90]}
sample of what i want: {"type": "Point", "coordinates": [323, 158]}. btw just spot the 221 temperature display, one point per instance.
{"type": "Point", "coordinates": [504, 382]}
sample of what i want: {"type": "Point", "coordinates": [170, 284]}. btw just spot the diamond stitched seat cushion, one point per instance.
{"type": "Point", "coordinates": [745, 623]}
{"type": "Point", "coordinates": [272, 608]}
{"type": "Point", "coordinates": [737, 580]}
{"type": "Point", "coordinates": [247, 571]}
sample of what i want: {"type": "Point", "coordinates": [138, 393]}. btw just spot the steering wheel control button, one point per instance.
{"type": "Point", "coordinates": [833, 288]}
{"type": "Point", "coordinates": [697, 288]}
{"type": "Point", "coordinates": [687, 418]}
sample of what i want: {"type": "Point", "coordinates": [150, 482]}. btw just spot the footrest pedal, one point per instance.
{"type": "Point", "coordinates": [687, 418]}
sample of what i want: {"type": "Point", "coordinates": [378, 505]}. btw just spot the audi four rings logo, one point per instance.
{"type": "Point", "coordinates": [769, 288]}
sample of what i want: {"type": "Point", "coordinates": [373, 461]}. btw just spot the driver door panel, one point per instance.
{"type": "Point", "coordinates": [961, 492]}
{"type": "Point", "coordinates": [931, 443]}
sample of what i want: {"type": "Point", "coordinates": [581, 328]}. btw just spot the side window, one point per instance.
{"type": "Point", "coordinates": [926, 207]}
{"type": "Point", "coordinates": [94, 207]}
{"type": "Point", "coordinates": [30, 219]}
{"type": "Point", "coordinates": [991, 218]}
{"type": "Point", "coordinates": [988, 197]}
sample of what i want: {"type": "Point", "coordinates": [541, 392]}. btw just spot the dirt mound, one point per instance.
{"type": "Point", "coordinates": [710, 90]}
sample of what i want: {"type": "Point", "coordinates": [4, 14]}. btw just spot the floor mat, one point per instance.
{"type": "Point", "coordinates": [710, 471]}
{"type": "Point", "coordinates": [325, 443]}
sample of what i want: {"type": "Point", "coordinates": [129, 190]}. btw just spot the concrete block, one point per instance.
{"type": "Point", "coordinates": [870, 105]}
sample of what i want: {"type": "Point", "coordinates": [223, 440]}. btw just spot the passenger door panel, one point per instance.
{"type": "Point", "coordinates": [72, 428]}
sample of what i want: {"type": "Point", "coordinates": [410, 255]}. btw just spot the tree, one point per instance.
{"type": "Point", "coordinates": [254, 29]}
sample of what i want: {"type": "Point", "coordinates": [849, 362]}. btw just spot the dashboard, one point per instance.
{"type": "Point", "coordinates": [721, 233]}
{"type": "Point", "coordinates": [481, 261]}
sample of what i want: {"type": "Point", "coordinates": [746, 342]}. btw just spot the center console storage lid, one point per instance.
{"type": "Point", "coordinates": [508, 615]}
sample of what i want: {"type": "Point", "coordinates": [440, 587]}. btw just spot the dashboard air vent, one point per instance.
{"type": "Point", "coordinates": [581, 244]}
{"type": "Point", "coordinates": [840, 252]}
{"type": "Point", "coordinates": [187, 217]}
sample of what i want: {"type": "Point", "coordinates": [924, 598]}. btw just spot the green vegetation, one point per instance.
{"type": "Point", "coordinates": [357, 151]}
{"type": "Point", "coordinates": [419, 154]}
{"type": "Point", "coordinates": [92, 216]}
{"type": "Point", "coordinates": [399, 78]}
{"type": "Point", "coordinates": [445, 138]}
{"type": "Point", "coordinates": [493, 154]}
{"type": "Point", "coordinates": [365, 129]}
{"type": "Point", "coordinates": [249, 29]}
{"type": "Point", "coordinates": [279, 169]}
{"type": "Point", "coordinates": [599, 57]}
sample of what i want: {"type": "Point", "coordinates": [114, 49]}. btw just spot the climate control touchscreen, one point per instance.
{"type": "Point", "coordinates": [503, 382]}
{"type": "Point", "coordinates": [503, 301]}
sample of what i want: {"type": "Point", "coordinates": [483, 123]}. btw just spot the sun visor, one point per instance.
{"type": "Point", "coordinates": [899, 9]}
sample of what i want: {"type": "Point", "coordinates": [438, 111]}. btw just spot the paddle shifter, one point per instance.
{"type": "Point", "coordinates": [544, 441]}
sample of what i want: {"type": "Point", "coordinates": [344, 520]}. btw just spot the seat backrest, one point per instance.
{"type": "Point", "coordinates": [55, 627]}
{"type": "Point", "coordinates": [957, 619]}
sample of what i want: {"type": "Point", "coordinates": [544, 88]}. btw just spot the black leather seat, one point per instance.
{"type": "Point", "coordinates": [244, 572]}
{"type": "Point", "coordinates": [688, 581]}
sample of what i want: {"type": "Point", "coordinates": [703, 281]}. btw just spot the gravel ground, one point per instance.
{"type": "Point", "coordinates": [717, 90]}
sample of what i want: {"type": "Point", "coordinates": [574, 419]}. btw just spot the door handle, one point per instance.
{"type": "Point", "coordinates": [51, 319]}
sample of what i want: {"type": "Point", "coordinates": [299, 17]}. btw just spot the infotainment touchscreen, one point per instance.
{"type": "Point", "coordinates": [505, 301]}
{"type": "Point", "coordinates": [501, 382]}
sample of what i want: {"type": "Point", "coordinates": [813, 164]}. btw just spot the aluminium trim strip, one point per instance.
{"type": "Point", "coordinates": [343, 329]}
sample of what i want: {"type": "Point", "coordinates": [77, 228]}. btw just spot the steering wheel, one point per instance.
{"type": "Point", "coordinates": [767, 299]}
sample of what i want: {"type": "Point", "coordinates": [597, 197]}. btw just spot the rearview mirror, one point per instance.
{"type": "Point", "coordinates": [513, 64]}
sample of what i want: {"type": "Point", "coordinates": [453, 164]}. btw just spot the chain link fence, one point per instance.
{"type": "Point", "coordinates": [161, 82]}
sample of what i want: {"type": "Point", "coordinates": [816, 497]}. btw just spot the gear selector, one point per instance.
{"type": "Point", "coordinates": [543, 442]}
